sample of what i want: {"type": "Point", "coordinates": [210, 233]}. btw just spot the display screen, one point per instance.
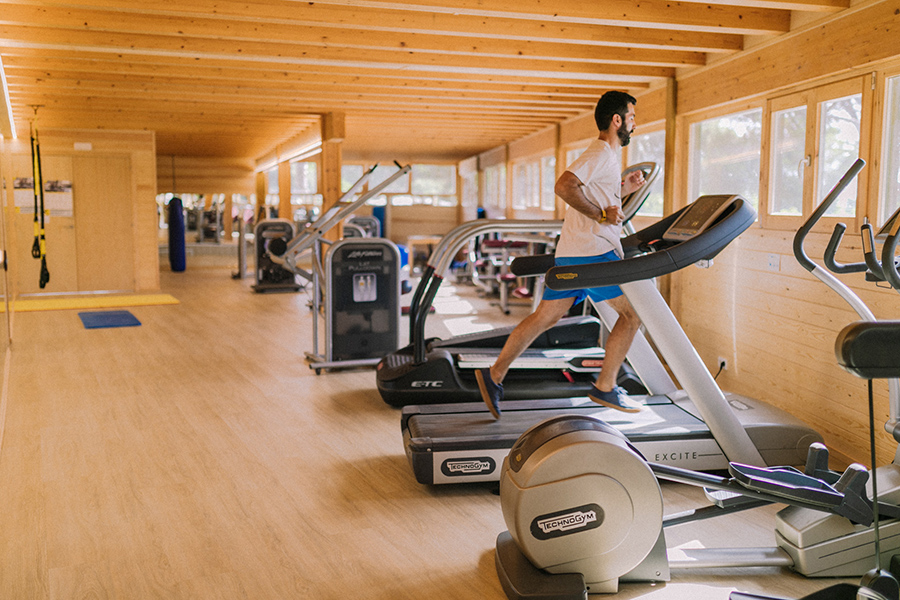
{"type": "Point", "coordinates": [698, 216]}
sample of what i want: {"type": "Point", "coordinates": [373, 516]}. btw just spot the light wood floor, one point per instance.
{"type": "Point", "coordinates": [197, 456]}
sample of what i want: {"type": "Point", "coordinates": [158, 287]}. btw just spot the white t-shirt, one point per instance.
{"type": "Point", "coordinates": [600, 173]}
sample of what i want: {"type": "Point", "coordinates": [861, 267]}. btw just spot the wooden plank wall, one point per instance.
{"type": "Point", "coordinates": [774, 322]}
{"type": "Point", "coordinates": [776, 325]}
{"type": "Point", "coordinates": [407, 221]}
{"type": "Point", "coordinates": [59, 149]}
{"type": "Point", "coordinates": [205, 175]}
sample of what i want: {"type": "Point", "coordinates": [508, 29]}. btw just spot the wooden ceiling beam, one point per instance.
{"type": "Point", "coordinates": [79, 80]}
{"type": "Point", "coordinates": [37, 37]}
{"type": "Point", "coordinates": [250, 17]}
{"type": "Point", "coordinates": [240, 110]}
{"type": "Point", "coordinates": [435, 77]}
{"type": "Point", "coordinates": [648, 13]}
{"type": "Point", "coordinates": [125, 89]}
{"type": "Point", "coordinates": [216, 70]}
{"type": "Point", "coordinates": [819, 6]}
{"type": "Point", "coordinates": [602, 61]}
{"type": "Point", "coordinates": [366, 39]}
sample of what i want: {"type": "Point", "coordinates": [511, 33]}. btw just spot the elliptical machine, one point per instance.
{"type": "Point", "coordinates": [584, 508]}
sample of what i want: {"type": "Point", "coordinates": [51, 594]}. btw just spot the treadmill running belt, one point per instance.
{"type": "Point", "coordinates": [470, 446]}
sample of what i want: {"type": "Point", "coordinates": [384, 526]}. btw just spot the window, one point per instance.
{"type": "Point", "coordinates": [788, 160]}
{"type": "Point", "coordinates": [548, 183]}
{"type": "Point", "coordinates": [434, 184]}
{"type": "Point", "coordinates": [495, 190]}
{"type": "Point", "coordinates": [890, 169]}
{"type": "Point", "coordinates": [424, 184]}
{"type": "Point", "coordinates": [839, 125]}
{"type": "Point", "coordinates": [469, 191]}
{"type": "Point", "coordinates": [305, 184]}
{"type": "Point", "coordinates": [814, 137]}
{"type": "Point", "coordinates": [272, 186]}
{"type": "Point", "coordinates": [383, 173]}
{"type": "Point", "coordinates": [434, 180]}
{"type": "Point", "coordinates": [650, 147]}
{"type": "Point", "coordinates": [725, 156]}
{"type": "Point", "coordinates": [533, 183]}
{"type": "Point", "coordinates": [526, 185]}
{"type": "Point", "coordinates": [350, 174]}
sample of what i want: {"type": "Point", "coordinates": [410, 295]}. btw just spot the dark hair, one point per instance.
{"type": "Point", "coordinates": [611, 103]}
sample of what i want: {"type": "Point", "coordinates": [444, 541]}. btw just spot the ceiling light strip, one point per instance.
{"type": "Point", "coordinates": [7, 123]}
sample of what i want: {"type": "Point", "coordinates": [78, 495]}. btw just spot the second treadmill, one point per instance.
{"type": "Point", "coordinates": [698, 427]}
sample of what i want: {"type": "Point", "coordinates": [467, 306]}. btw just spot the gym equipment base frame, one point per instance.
{"type": "Point", "coordinates": [578, 498]}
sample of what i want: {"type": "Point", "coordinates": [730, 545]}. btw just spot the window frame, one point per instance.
{"type": "Point", "coordinates": [881, 145]}
{"type": "Point", "coordinates": [813, 98]}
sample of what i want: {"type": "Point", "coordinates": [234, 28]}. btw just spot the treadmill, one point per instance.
{"type": "Point", "coordinates": [698, 427]}
{"type": "Point", "coordinates": [563, 362]}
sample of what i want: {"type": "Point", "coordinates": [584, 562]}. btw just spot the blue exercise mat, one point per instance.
{"type": "Point", "coordinates": [108, 318]}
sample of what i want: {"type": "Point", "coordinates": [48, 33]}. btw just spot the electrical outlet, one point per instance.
{"type": "Point", "coordinates": [722, 363]}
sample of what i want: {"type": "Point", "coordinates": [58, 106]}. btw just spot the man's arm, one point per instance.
{"type": "Point", "coordinates": [568, 187]}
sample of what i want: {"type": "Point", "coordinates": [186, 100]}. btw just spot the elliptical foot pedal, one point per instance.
{"type": "Point", "coordinates": [521, 580]}
{"type": "Point", "coordinates": [731, 500]}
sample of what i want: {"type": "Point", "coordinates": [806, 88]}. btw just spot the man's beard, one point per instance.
{"type": "Point", "coordinates": [624, 135]}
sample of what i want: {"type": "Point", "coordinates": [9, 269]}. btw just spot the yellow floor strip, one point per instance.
{"type": "Point", "coordinates": [70, 303]}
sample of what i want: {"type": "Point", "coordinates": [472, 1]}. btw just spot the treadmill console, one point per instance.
{"type": "Point", "coordinates": [698, 217]}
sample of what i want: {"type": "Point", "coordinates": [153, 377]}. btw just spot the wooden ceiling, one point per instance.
{"type": "Point", "coordinates": [414, 78]}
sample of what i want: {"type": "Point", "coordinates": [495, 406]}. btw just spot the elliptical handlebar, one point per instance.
{"type": "Point", "coordinates": [892, 426]}
{"type": "Point", "coordinates": [872, 262]}
{"type": "Point", "coordinates": [833, 265]}
{"type": "Point", "coordinates": [800, 237]}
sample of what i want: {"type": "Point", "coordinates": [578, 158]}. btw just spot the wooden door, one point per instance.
{"type": "Point", "coordinates": [104, 223]}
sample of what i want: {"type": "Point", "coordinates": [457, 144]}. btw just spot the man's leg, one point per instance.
{"type": "Point", "coordinates": [489, 380]}
{"type": "Point", "coordinates": [618, 343]}
{"type": "Point", "coordinates": [543, 318]}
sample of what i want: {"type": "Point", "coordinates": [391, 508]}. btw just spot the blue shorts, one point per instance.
{"type": "Point", "coordinates": [597, 294]}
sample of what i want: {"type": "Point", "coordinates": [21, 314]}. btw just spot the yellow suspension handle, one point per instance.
{"type": "Point", "coordinates": [36, 251]}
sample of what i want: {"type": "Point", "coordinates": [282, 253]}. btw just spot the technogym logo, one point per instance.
{"type": "Point", "coordinates": [459, 467]}
{"type": "Point", "coordinates": [567, 522]}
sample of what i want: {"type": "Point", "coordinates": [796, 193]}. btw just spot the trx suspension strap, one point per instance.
{"type": "Point", "coordinates": [39, 248]}
{"type": "Point", "coordinates": [35, 176]}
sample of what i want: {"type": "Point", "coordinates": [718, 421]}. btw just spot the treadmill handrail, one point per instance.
{"type": "Point", "coordinates": [446, 249]}
{"type": "Point", "coordinates": [633, 202]}
{"type": "Point", "coordinates": [450, 244]}
{"type": "Point", "coordinates": [661, 261]}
